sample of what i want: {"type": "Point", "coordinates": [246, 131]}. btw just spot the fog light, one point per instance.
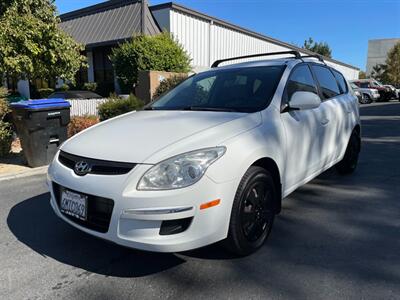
{"type": "Point", "coordinates": [175, 226]}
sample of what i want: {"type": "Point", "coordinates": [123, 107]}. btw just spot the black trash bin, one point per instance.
{"type": "Point", "coordinates": [42, 127]}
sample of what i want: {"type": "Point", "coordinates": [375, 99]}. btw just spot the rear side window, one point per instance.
{"type": "Point", "coordinates": [300, 80]}
{"type": "Point", "coordinates": [342, 82]}
{"type": "Point", "coordinates": [364, 84]}
{"type": "Point", "coordinates": [327, 82]}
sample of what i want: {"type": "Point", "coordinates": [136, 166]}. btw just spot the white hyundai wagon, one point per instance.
{"type": "Point", "coordinates": [212, 159]}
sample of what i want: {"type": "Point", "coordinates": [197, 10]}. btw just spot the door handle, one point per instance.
{"type": "Point", "coordinates": [324, 121]}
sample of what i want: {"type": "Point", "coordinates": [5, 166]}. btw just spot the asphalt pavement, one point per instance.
{"type": "Point", "coordinates": [337, 237]}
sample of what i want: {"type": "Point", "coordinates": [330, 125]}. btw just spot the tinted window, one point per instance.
{"type": "Point", "coordinates": [327, 82]}
{"type": "Point", "coordinates": [341, 80]}
{"type": "Point", "coordinates": [300, 80]}
{"type": "Point", "coordinates": [239, 89]}
{"type": "Point", "coordinates": [364, 84]}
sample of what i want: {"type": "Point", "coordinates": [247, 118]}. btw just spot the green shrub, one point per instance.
{"type": "Point", "coordinates": [6, 138]}
{"type": "Point", "coordinates": [78, 124]}
{"type": "Point", "coordinates": [5, 129]}
{"type": "Point", "coordinates": [45, 92]}
{"type": "Point", "coordinates": [11, 96]}
{"type": "Point", "coordinates": [3, 92]}
{"type": "Point", "coordinates": [159, 53]}
{"type": "Point", "coordinates": [116, 106]}
{"type": "Point", "coordinates": [64, 87]}
{"type": "Point", "coordinates": [90, 86]}
{"type": "Point", "coordinates": [4, 109]}
{"type": "Point", "coordinates": [168, 84]}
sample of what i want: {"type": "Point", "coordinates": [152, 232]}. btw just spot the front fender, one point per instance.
{"type": "Point", "coordinates": [244, 150]}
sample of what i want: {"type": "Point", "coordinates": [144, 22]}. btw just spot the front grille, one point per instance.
{"type": "Point", "coordinates": [98, 166]}
{"type": "Point", "coordinates": [99, 210]}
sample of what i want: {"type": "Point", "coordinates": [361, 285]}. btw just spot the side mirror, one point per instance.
{"type": "Point", "coordinates": [304, 100]}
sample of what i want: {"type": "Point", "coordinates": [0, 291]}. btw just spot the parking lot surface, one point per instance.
{"type": "Point", "coordinates": [337, 237]}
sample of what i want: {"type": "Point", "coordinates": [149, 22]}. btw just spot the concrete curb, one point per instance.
{"type": "Point", "coordinates": [26, 173]}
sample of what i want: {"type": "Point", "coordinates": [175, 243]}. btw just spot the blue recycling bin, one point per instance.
{"type": "Point", "coordinates": [42, 127]}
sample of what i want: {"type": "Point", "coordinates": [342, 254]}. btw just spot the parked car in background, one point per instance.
{"type": "Point", "coordinates": [75, 95]}
{"type": "Point", "coordinates": [356, 92]}
{"type": "Point", "coordinates": [367, 95]}
{"type": "Point", "coordinates": [395, 92]}
{"type": "Point", "coordinates": [211, 159]}
{"type": "Point", "coordinates": [384, 92]}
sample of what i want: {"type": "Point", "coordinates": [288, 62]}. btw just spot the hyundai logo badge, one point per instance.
{"type": "Point", "coordinates": [82, 168]}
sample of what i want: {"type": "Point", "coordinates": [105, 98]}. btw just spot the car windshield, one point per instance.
{"type": "Point", "coordinates": [353, 85]}
{"type": "Point", "coordinates": [240, 90]}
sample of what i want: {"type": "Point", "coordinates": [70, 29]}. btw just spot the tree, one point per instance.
{"type": "Point", "coordinates": [318, 47]}
{"type": "Point", "coordinates": [31, 43]}
{"type": "Point", "coordinates": [389, 72]}
{"type": "Point", "coordinates": [393, 65]}
{"type": "Point", "coordinates": [379, 72]}
{"type": "Point", "coordinates": [160, 52]}
{"type": "Point", "coordinates": [42, 9]}
{"type": "Point", "coordinates": [362, 75]}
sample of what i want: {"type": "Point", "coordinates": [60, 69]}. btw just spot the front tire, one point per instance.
{"type": "Point", "coordinates": [366, 99]}
{"type": "Point", "coordinates": [253, 212]}
{"type": "Point", "coordinates": [350, 160]}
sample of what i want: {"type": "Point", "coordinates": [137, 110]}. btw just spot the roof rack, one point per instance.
{"type": "Point", "coordinates": [295, 53]}
{"type": "Point", "coordinates": [317, 56]}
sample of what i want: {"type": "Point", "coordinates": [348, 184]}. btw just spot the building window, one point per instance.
{"type": "Point", "coordinates": [103, 70]}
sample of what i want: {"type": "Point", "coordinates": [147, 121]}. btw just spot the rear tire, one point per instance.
{"type": "Point", "coordinates": [253, 212]}
{"type": "Point", "coordinates": [350, 160]}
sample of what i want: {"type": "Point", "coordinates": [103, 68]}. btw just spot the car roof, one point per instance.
{"type": "Point", "coordinates": [82, 93]}
{"type": "Point", "coordinates": [78, 94]}
{"type": "Point", "coordinates": [268, 62]}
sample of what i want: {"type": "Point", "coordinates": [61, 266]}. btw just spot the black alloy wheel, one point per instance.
{"type": "Point", "coordinates": [255, 215]}
{"type": "Point", "coordinates": [253, 212]}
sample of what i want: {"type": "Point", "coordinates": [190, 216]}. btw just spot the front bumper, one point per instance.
{"type": "Point", "coordinates": [137, 216]}
{"type": "Point", "coordinates": [376, 96]}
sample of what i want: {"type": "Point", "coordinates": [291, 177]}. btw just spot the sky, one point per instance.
{"type": "Point", "coordinates": [346, 25]}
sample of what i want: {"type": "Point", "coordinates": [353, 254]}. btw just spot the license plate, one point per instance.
{"type": "Point", "coordinates": [74, 204]}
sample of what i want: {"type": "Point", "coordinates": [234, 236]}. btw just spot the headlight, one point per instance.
{"type": "Point", "coordinates": [180, 171]}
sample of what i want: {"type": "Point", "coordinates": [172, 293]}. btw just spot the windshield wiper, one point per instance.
{"type": "Point", "coordinates": [194, 108]}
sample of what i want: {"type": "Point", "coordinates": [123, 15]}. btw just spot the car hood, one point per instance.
{"type": "Point", "coordinates": [150, 136]}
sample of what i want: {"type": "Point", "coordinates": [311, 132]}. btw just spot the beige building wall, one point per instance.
{"type": "Point", "coordinates": [148, 81]}
{"type": "Point", "coordinates": [377, 52]}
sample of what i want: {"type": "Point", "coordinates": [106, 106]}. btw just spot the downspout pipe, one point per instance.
{"type": "Point", "coordinates": [143, 16]}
